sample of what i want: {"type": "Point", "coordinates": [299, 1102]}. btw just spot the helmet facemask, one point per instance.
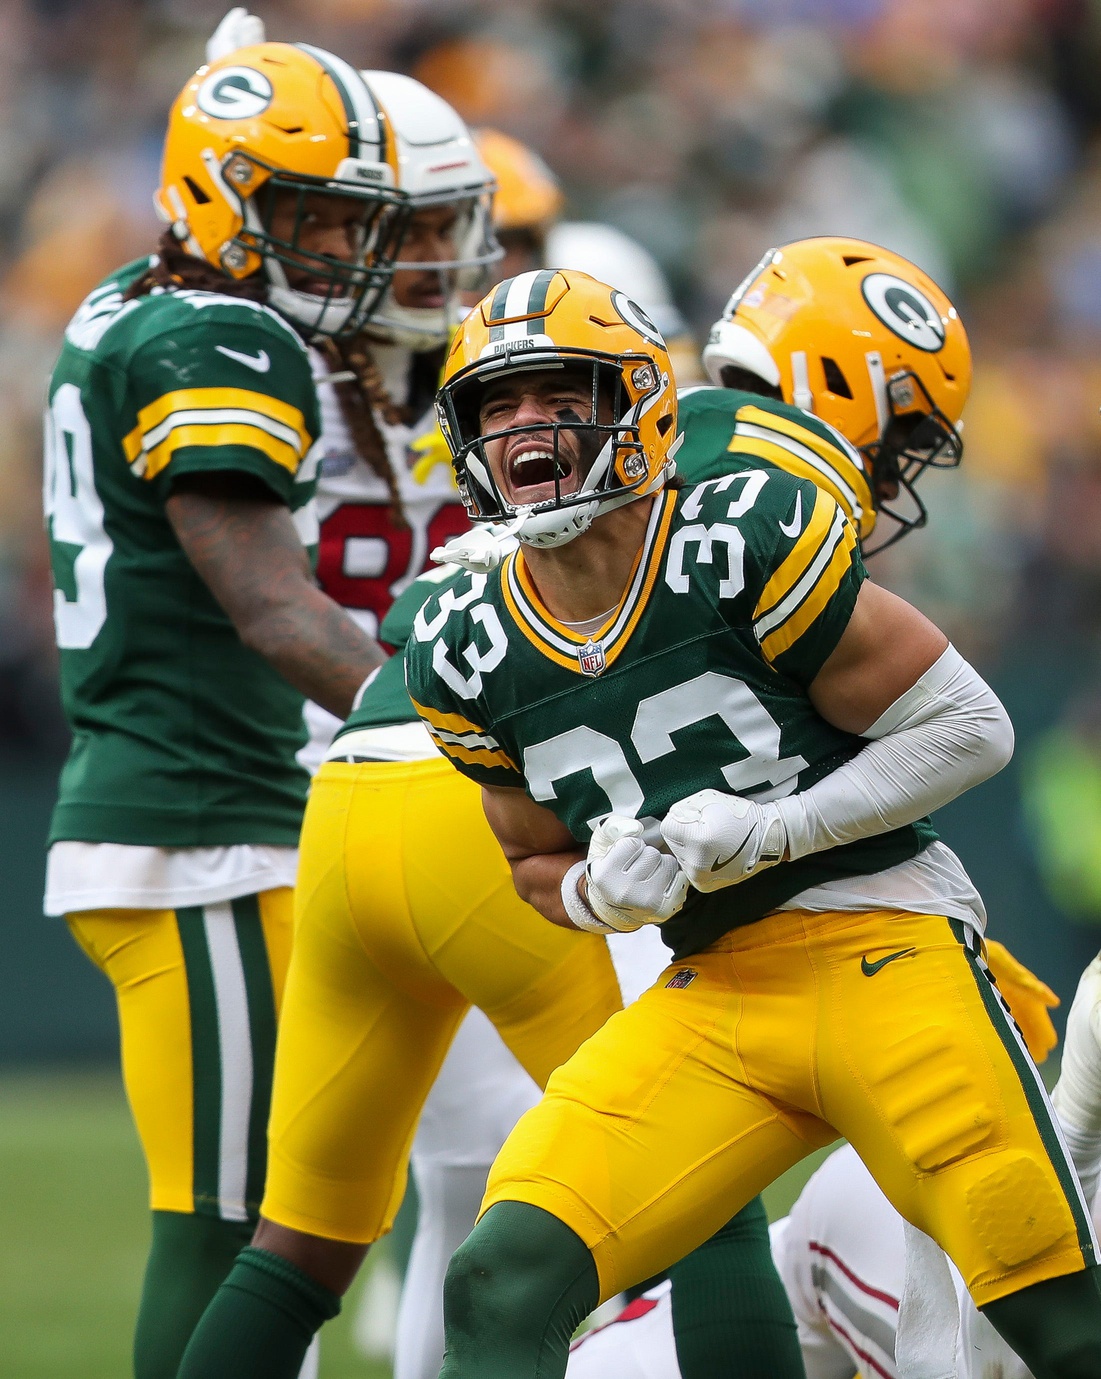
{"type": "Point", "coordinates": [608, 454]}
{"type": "Point", "coordinates": [465, 269]}
{"type": "Point", "coordinates": [350, 286]}
{"type": "Point", "coordinates": [917, 436]}
{"type": "Point", "coordinates": [356, 289]}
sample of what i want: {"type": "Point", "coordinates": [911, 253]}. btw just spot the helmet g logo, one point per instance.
{"type": "Point", "coordinates": [905, 311]}
{"type": "Point", "coordinates": [634, 316]}
{"type": "Point", "coordinates": [234, 93]}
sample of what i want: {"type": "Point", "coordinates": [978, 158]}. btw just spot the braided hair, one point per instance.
{"type": "Point", "coordinates": [362, 395]}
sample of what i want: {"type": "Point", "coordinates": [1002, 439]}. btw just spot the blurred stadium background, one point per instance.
{"type": "Point", "coordinates": [965, 134]}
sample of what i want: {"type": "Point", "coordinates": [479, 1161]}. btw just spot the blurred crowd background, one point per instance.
{"type": "Point", "coordinates": [965, 134]}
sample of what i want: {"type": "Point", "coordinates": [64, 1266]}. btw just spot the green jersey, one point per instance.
{"type": "Point", "coordinates": [182, 736]}
{"type": "Point", "coordinates": [742, 590]}
{"type": "Point", "coordinates": [722, 431]}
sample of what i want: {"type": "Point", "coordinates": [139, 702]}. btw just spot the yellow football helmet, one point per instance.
{"type": "Point", "coordinates": [528, 196]}
{"type": "Point", "coordinates": [290, 118]}
{"type": "Point", "coordinates": [863, 339]}
{"type": "Point", "coordinates": [546, 320]}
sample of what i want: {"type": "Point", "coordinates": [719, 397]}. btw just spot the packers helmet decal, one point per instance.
{"type": "Point", "coordinates": [235, 93]}
{"type": "Point", "coordinates": [865, 340]}
{"type": "Point", "coordinates": [256, 138]}
{"type": "Point", "coordinates": [528, 196]}
{"type": "Point", "coordinates": [905, 310]}
{"type": "Point", "coordinates": [544, 322]}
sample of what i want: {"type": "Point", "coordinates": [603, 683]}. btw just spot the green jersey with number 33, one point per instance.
{"type": "Point", "coordinates": [182, 736]}
{"type": "Point", "coordinates": [742, 590]}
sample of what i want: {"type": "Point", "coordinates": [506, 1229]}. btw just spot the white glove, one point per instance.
{"type": "Point", "coordinates": [721, 839]}
{"type": "Point", "coordinates": [238, 29]}
{"type": "Point", "coordinates": [630, 883]}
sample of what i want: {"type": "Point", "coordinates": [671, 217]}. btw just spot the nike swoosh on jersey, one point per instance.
{"type": "Point", "coordinates": [871, 968]}
{"type": "Point", "coordinates": [726, 861]}
{"type": "Point", "coordinates": [260, 362]}
{"type": "Point", "coordinates": [795, 526]}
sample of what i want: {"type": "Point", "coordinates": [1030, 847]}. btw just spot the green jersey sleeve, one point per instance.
{"type": "Point", "coordinates": [385, 701]}
{"type": "Point", "coordinates": [803, 575]}
{"type": "Point", "coordinates": [227, 388]}
{"type": "Point", "coordinates": [437, 667]}
{"type": "Point", "coordinates": [397, 625]}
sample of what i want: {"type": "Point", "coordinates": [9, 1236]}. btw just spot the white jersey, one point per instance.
{"type": "Point", "coordinates": [365, 557]}
{"type": "Point", "coordinates": [847, 1266]}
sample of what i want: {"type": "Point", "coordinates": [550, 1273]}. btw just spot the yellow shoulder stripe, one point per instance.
{"type": "Point", "coordinates": [827, 449]}
{"type": "Point", "coordinates": [789, 632]}
{"type": "Point", "coordinates": [800, 557]}
{"type": "Point", "coordinates": [785, 459]}
{"type": "Point", "coordinates": [477, 757]}
{"type": "Point", "coordinates": [447, 722]}
{"type": "Point", "coordinates": [215, 399]}
{"type": "Point", "coordinates": [226, 433]}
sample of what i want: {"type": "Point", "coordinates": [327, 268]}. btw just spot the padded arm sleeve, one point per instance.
{"type": "Point", "coordinates": [947, 733]}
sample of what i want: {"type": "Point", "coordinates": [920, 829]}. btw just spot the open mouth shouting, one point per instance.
{"type": "Point", "coordinates": [531, 469]}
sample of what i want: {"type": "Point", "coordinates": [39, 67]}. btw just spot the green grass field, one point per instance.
{"type": "Point", "coordinates": [73, 1230]}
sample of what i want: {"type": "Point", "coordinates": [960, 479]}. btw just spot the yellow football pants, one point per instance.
{"type": "Point", "coordinates": [198, 992]}
{"type": "Point", "coordinates": [883, 1028]}
{"type": "Point", "coordinates": [405, 916]}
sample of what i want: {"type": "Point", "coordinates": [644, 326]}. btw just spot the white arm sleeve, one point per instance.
{"type": "Point", "coordinates": [947, 733]}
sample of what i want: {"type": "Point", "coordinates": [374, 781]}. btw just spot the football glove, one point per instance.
{"type": "Point", "coordinates": [1077, 1094]}
{"type": "Point", "coordinates": [238, 29]}
{"type": "Point", "coordinates": [1029, 999]}
{"type": "Point", "coordinates": [721, 839]}
{"type": "Point", "coordinates": [630, 883]}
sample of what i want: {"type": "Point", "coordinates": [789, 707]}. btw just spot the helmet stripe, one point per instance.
{"type": "Point", "coordinates": [360, 107]}
{"type": "Point", "coordinates": [537, 300]}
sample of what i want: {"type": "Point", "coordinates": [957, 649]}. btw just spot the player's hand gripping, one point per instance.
{"type": "Point", "coordinates": [629, 883]}
{"type": "Point", "coordinates": [722, 839]}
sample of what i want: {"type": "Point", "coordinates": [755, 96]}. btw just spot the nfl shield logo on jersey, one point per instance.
{"type": "Point", "coordinates": [679, 980]}
{"type": "Point", "coordinates": [591, 657]}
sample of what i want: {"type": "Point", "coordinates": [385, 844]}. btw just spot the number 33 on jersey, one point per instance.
{"type": "Point", "coordinates": [742, 590]}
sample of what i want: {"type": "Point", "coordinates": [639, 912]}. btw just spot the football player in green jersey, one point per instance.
{"type": "Point", "coordinates": [355, 954]}
{"type": "Point", "coordinates": [742, 749]}
{"type": "Point", "coordinates": [183, 416]}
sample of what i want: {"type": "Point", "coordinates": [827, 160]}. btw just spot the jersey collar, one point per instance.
{"type": "Point", "coordinates": [561, 643]}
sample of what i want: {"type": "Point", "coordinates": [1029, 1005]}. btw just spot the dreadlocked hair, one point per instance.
{"type": "Point", "coordinates": [173, 266]}
{"type": "Point", "coordinates": [360, 397]}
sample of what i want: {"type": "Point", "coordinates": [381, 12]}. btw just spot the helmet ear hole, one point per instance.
{"type": "Point", "coordinates": [664, 423]}
{"type": "Point", "coordinates": [198, 195]}
{"type": "Point", "coordinates": [836, 381]}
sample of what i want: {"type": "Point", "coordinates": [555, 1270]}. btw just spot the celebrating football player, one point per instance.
{"type": "Point", "coordinates": [742, 745]}
{"type": "Point", "coordinates": [482, 1090]}
{"type": "Point", "coordinates": [344, 912]}
{"type": "Point", "coordinates": [181, 454]}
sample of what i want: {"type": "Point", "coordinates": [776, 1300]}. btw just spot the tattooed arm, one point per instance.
{"type": "Point", "coordinates": [242, 541]}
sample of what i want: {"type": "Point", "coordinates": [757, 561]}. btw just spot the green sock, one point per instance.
{"type": "Point", "coordinates": [731, 1314]}
{"type": "Point", "coordinates": [189, 1256]}
{"type": "Point", "coordinates": [516, 1291]}
{"type": "Point", "coordinates": [1054, 1326]}
{"type": "Point", "coordinates": [260, 1323]}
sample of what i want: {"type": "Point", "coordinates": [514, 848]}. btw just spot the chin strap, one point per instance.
{"type": "Point", "coordinates": [481, 549]}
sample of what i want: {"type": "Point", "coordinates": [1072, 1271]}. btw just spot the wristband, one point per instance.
{"type": "Point", "coordinates": [581, 917]}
